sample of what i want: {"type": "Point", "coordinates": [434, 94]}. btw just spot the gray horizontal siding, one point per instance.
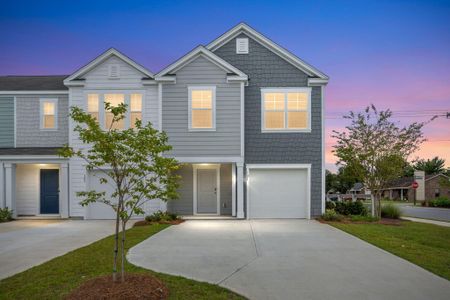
{"type": "Point", "coordinates": [225, 141]}
{"type": "Point", "coordinates": [28, 129]}
{"type": "Point", "coordinates": [6, 122]}
{"type": "Point", "coordinates": [266, 69]}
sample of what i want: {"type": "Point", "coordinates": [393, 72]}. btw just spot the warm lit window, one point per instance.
{"type": "Point", "coordinates": [135, 108]}
{"type": "Point", "coordinates": [48, 113]}
{"type": "Point", "coordinates": [202, 102]}
{"type": "Point", "coordinates": [93, 106]}
{"type": "Point", "coordinates": [114, 100]}
{"type": "Point", "coordinates": [286, 109]}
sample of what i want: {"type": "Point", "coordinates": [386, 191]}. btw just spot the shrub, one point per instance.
{"type": "Point", "coordinates": [440, 202]}
{"type": "Point", "coordinates": [359, 218]}
{"type": "Point", "coordinates": [390, 211]}
{"type": "Point", "coordinates": [5, 215]}
{"type": "Point", "coordinates": [331, 215]}
{"type": "Point", "coordinates": [161, 216]}
{"type": "Point", "coordinates": [330, 205]}
{"type": "Point", "coordinates": [351, 208]}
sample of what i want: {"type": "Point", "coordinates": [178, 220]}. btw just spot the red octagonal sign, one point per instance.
{"type": "Point", "coordinates": [415, 185]}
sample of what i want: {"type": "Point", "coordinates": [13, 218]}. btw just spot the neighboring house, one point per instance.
{"type": "Point", "coordinates": [434, 186]}
{"type": "Point", "coordinates": [245, 116]}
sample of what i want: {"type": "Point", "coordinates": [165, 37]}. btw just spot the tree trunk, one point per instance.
{"type": "Point", "coordinates": [116, 242]}
{"type": "Point", "coordinates": [123, 250]}
{"type": "Point", "coordinates": [372, 202]}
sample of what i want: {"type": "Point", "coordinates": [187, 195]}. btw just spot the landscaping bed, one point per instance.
{"type": "Point", "coordinates": [59, 277]}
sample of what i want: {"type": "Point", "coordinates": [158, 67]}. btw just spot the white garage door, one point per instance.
{"type": "Point", "coordinates": [278, 193]}
{"type": "Point", "coordinates": [99, 210]}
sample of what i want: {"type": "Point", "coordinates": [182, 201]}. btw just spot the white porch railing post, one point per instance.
{"type": "Point", "coordinates": [240, 190]}
{"type": "Point", "coordinates": [64, 190]}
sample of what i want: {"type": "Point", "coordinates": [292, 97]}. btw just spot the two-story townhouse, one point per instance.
{"type": "Point", "coordinates": [244, 116]}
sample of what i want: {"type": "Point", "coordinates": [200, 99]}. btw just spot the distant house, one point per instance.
{"type": "Point", "coordinates": [435, 186]}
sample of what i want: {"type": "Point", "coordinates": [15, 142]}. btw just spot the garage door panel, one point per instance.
{"type": "Point", "coordinates": [278, 193]}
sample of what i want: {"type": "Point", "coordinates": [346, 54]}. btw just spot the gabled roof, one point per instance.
{"type": "Point", "coordinates": [104, 56]}
{"type": "Point", "coordinates": [272, 46]}
{"type": "Point", "coordinates": [33, 83]}
{"type": "Point", "coordinates": [197, 52]}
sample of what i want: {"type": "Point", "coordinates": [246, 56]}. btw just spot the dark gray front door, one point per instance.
{"type": "Point", "coordinates": [49, 191]}
{"type": "Point", "coordinates": [206, 191]}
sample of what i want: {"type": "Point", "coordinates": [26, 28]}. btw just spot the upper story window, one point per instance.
{"type": "Point", "coordinates": [48, 114]}
{"type": "Point", "coordinates": [202, 102]}
{"type": "Point", "coordinates": [286, 109]}
{"type": "Point", "coordinates": [135, 109]}
{"type": "Point", "coordinates": [96, 108]}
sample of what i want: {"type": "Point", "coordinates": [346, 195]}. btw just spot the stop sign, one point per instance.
{"type": "Point", "coordinates": [415, 185]}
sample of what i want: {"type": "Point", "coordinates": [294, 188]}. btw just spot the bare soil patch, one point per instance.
{"type": "Point", "coordinates": [136, 286]}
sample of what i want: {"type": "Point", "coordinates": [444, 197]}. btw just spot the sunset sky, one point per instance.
{"type": "Point", "coordinates": [395, 54]}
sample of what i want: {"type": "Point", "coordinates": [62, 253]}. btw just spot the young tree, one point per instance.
{"type": "Point", "coordinates": [431, 166]}
{"type": "Point", "coordinates": [132, 161]}
{"type": "Point", "coordinates": [374, 149]}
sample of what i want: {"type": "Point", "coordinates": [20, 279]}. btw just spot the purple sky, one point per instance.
{"type": "Point", "coordinates": [395, 54]}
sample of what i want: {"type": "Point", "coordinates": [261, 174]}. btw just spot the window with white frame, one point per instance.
{"type": "Point", "coordinates": [286, 109]}
{"type": "Point", "coordinates": [48, 114]}
{"type": "Point", "coordinates": [202, 108]}
{"type": "Point", "coordinates": [135, 109]}
{"type": "Point", "coordinates": [95, 104]}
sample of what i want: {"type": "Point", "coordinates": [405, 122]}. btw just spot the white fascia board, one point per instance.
{"type": "Point", "coordinates": [166, 79]}
{"type": "Point", "coordinates": [102, 57]}
{"type": "Point", "coordinates": [237, 78]}
{"type": "Point", "coordinates": [317, 81]}
{"type": "Point", "coordinates": [278, 166]}
{"type": "Point", "coordinates": [61, 92]}
{"type": "Point", "coordinates": [209, 160]}
{"type": "Point", "coordinates": [200, 51]}
{"type": "Point", "coordinates": [269, 44]}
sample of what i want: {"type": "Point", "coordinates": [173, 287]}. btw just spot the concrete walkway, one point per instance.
{"type": "Point", "coordinates": [432, 213]}
{"type": "Point", "coordinates": [428, 221]}
{"type": "Point", "coordinates": [27, 243]}
{"type": "Point", "coordinates": [285, 259]}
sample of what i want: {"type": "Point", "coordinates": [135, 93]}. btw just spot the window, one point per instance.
{"type": "Point", "coordinates": [202, 108]}
{"type": "Point", "coordinates": [114, 100]}
{"type": "Point", "coordinates": [286, 109]}
{"type": "Point", "coordinates": [93, 106]}
{"type": "Point", "coordinates": [135, 109]}
{"type": "Point", "coordinates": [48, 114]}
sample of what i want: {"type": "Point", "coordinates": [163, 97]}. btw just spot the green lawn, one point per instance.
{"type": "Point", "coordinates": [425, 245]}
{"type": "Point", "coordinates": [57, 277]}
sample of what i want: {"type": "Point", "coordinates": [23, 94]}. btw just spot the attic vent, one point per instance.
{"type": "Point", "coordinates": [114, 71]}
{"type": "Point", "coordinates": [242, 46]}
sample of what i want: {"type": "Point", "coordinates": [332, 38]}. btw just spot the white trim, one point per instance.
{"type": "Point", "coordinates": [317, 81]}
{"type": "Point", "coordinates": [240, 191]}
{"type": "Point", "coordinates": [41, 113]}
{"type": "Point", "coordinates": [233, 190]}
{"type": "Point", "coordinates": [194, 171]}
{"type": "Point", "coordinates": [209, 159]}
{"type": "Point", "coordinates": [62, 92]}
{"type": "Point", "coordinates": [101, 58]}
{"type": "Point", "coordinates": [242, 119]}
{"type": "Point", "coordinates": [285, 90]}
{"type": "Point", "coordinates": [160, 86]}
{"type": "Point", "coordinates": [322, 116]}
{"type": "Point", "coordinates": [234, 78]}
{"type": "Point", "coordinates": [282, 166]}
{"type": "Point", "coordinates": [243, 51]}
{"type": "Point", "coordinates": [211, 88]}
{"type": "Point", "coordinates": [200, 51]}
{"type": "Point", "coordinates": [258, 37]}
{"type": "Point", "coordinates": [15, 122]}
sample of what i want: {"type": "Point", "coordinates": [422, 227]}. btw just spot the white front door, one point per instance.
{"type": "Point", "coordinates": [206, 189]}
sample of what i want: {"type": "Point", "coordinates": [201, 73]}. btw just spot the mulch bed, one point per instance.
{"type": "Point", "coordinates": [136, 286]}
{"type": "Point", "coordinates": [144, 222]}
{"type": "Point", "coordinates": [384, 221]}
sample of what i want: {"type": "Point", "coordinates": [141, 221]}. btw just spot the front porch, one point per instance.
{"type": "Point", "coordinates": [35, 189]}
{"type": "Point", "coordinates": [210, 191]}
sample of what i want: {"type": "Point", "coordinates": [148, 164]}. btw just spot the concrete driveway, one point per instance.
{"type": "Point", "coordinates": [285, 259]}
{"type": "Point", "coordinates": [27, 243]}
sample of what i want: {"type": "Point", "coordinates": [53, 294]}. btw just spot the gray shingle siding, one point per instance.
{"type": "Point", "coordinates": [6, 122]}
{"type": "Point", "coordinates": [266, 69]}
{"type": "Point", "coordinates": [28, 123]}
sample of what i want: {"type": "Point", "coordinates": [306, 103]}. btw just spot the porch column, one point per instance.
{"type": "Point", "coordinates": [401, 194]}
{"type": "Point", "coordinates": [240, 191]}
{"type": "Point", "coordinates": [233, 190]}
{"type": "Point", "coordinates": [390, 194]}
{"type": "Point", "coordinates": [2, 187]}
{"type": "Point", "coordinates": [10, 187]}
{"type": "Point", "coordinates": [64, 190]}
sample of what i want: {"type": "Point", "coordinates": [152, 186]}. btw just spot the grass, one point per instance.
{"type": "Point", "coordinates": [57, 277]}
{"type": "Point", "coordinates": [425, 245]}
